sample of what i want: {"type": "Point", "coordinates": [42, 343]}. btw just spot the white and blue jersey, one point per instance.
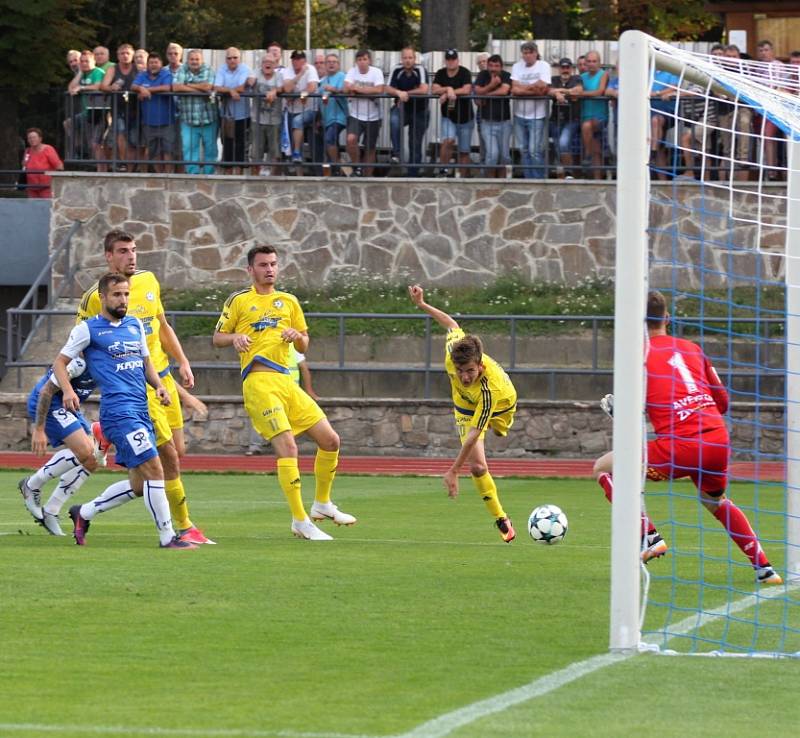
{"type": "Point", "coordinates": [61, 422]}
{"type": "Point", "coordinates": [115, 354]}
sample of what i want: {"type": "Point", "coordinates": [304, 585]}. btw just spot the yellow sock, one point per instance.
{"type": "Point", "coordinates": [178, 508]}
{"type": "Point", "coordinates": [289, 479]}
{"type": "Point", "coordinates": [325, 470]}
{"type": "Point", "coordinates": [487, 489]}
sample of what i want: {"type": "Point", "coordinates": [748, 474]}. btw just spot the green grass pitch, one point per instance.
{"type": "Point", "coordinates": [417, 611]}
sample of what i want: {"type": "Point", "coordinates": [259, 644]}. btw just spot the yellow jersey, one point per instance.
{"type": "Point", "coordinates": [263, 318]}
{"type": "Point", "coordinates": [492, 394]}
{"type": "Point", "coordinates": [144, 303]}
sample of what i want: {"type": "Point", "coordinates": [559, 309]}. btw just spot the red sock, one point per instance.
{"type": "Point", "coordinates": [740, 531]}
{"type": "Point", "coordinates": [607, 483]}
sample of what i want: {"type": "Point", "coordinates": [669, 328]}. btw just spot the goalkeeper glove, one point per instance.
{"type": "Point", "coordinates": [607, 405]}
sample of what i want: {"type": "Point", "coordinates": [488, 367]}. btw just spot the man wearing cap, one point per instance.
{"type": "Point", "coordinates": [301, 77]}
{"type": "Point", "coordinates": [453, 84]}
{"type": "Point", "coordinates": [565, 116]}
{"type": "Point", "coordinates": [530, 78]}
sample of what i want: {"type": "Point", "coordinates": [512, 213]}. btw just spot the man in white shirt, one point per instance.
{"type": "Point", "coordinates": [530, 77]}
{"type": "Point", "coordinates": [364, 116]}
{"type": "Point", "coordinates": [302, 78]}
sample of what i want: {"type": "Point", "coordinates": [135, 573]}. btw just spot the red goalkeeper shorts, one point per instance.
{"type": "Point", "coordinates": [703, 459]}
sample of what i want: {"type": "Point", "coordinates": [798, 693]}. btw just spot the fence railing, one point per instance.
{"type": "Point", "coordinates": [24, 321]}
{"type": "Point", "coordinates": [204, 133]}
{"type": "Point", "coordinates": [598, 329]}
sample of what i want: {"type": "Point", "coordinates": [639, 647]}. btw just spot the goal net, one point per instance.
{"type": "Point", "coordinates": [708, 213]}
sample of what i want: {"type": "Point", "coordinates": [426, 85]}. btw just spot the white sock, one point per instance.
{"type": "Point", "coordinates": [155, 500]}
{"type": "Point", "coordinates": [60, 463]}
{"type": "Point", "coordinates": [68, 485]}
{"type": "Point", "coordinates": [117, 494]}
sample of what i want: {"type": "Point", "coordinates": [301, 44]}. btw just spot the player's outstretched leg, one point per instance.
{"type": "Point", "coordinates": [289, 480]}
{"type": "Point", "coordinates": [68, 485]}
{"type": "Point", "coordinates": [653, 545]}
{"type": "Point", "coordinates": [742, 534]}
{"type": "Point", "coordinates": [487, 489]}
{"type": "Point", "coordinates": [325, 465]}
{"type": "Point", "coordinates": [112, 496]}
{"type": "Point", "coordinates": [61, 462]}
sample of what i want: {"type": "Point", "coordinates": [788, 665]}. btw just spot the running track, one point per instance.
{"type": "Point", "coordinates": [575, 468]}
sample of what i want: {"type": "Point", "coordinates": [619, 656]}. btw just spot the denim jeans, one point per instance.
{"type": "Point", "coordinates": [531, 136]}
{"type": "Point", "coordinates": [564, 137]}
{"type": "Point", "coordinates": [495, 135]}
{"type": "Point", "coordinates": [417, 126]}
{"type": "Point", "coordinates": [191, 138]}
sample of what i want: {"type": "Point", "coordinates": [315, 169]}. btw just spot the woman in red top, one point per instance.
{"type": "Point", "coordinates": [38, 158]}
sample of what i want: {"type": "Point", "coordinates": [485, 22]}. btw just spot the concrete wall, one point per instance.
{"type": "Point", "coordinates": [23, 240]}
{"type": "Point", "coordinates": [402, 427]}
{"type": "Point", "coordinates": [196, 230]}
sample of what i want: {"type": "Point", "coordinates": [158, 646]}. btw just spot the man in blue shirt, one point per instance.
{"type": "Point", "coordinates": [60, 427]}
{"type": "Point", "coordinates": [334, 108]}
{"type": "Point", "coordinates": [229, 82]}
{"type": "Point", "coordinates": [157, 111]}
{"type": "Point", "coordinates": [115, 350]}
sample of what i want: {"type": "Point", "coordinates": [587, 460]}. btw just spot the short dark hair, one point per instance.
{"type": "Point", "coordinates": [717, 47]}
{"type": "Point", "coordinates": [495, 59]}
{"type": "Point", "coordinates": [116, 235]}
{"type": "Point", "coordinates": [794, 54]}
{"type": "Point", "coordinates": [110, 280]}
{"type": "Point", "coordinates": [656, 309]}
{"type": "Point", "coordinates": [363, 52]}
{"type": "Point", "coordinates": [35, 130]}
{"type": "Point", "coordinates": [154, 55]}
{"type": "Point", "coordinates": [265, 249]}
{"type": "Point", "coordinates": [466, 350]}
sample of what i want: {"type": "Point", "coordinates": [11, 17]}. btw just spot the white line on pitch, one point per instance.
{"type": "Point", "coordinates": [445, 724]}
{"type": "Point", "coordinates": [169, 732]}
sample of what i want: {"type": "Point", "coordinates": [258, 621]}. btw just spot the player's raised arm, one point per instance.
{"type": "Point", "coordinates": [417, 296]}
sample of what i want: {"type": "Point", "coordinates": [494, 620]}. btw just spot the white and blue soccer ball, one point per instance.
{"type": "Point", "coordinates": [547, 524]}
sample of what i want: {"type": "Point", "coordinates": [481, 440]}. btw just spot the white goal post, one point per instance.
{"type": "Point", "coordinates": [639, 55]}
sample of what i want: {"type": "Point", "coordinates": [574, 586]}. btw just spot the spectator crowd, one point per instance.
{"type": "Point", "coordinates": [178, 114]}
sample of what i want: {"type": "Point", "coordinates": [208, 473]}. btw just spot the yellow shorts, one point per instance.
{"type": "Point", "coordinates": [500, 423]}
{"type": "Point", "coordinates": [174, 410]}
{"type": "Point", "coordinates": [162, 416]}
{"type": "Point", "coordinates": [275, 404]}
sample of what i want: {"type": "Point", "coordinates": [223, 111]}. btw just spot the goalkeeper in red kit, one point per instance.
{"type": "Point", "coordinates": [685, 404]}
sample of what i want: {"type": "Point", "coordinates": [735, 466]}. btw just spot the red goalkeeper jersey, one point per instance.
{"type": "Point", "coordinates": [685, 396]}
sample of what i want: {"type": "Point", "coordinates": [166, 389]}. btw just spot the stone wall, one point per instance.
{"type": "Point", "coordinates": [197, 230]}
{"type": "Point", "coordinates": [421, 428]}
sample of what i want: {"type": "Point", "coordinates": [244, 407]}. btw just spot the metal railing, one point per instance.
{"type": "Point", "coordinates": [599, 327]}
{"type": "Point", "coordinates": [108, 131]}
{"type": "Point", "coordinates": [24, 321]}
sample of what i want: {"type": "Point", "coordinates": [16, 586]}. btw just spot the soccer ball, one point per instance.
{"type": "Point", "coordinates": [547, 524]}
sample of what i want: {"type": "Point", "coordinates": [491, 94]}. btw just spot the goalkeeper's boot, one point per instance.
{"type": "Point", "coordinates": [507, 532]}
{"type": "Point", "coordinates": [767, 575]}
{"type": "Point", "coordinates": [329, 511]}
{"type": "Point", "coordinates": [656, 547]}
{"type": "Point", "coordinates": [32, 499]}
{"type": "Point", "coordinates": [307, 530]}
{"type": "Point", "coordinates": [80, 525]}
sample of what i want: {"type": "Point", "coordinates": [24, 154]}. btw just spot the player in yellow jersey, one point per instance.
{"type": "Point", "coordinates": [145, 304]}
{"type": "Point", "coordinates": [483, 397]}
{"type": "Point", "coordinates": [261, 323]}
